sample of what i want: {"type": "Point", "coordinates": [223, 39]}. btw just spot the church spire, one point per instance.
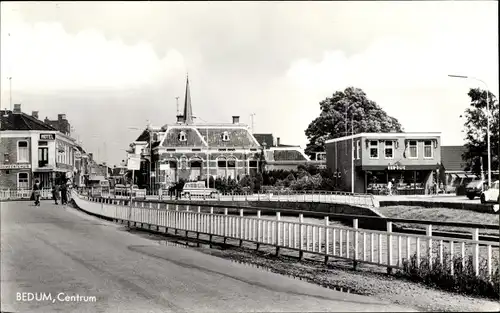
{"type": "Point", "coordinates": [188, 110]}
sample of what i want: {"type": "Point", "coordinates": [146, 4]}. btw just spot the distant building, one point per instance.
{"type": "Point", "coordinates": [32, 149]}
{"type": "Point", "coordinates": [61, 124]}
{"type": "Point", "coordinates": [411, 159]}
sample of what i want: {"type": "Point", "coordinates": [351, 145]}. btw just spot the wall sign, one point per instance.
{"type": "Point", "coordinates": [396, 167]}
{"type": "Point", "coordinates": [48, 136]}
{"type": "Point", "coordinates": [14, 166]}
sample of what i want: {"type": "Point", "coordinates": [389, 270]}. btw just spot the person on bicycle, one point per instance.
{"type": "Point", "coordinates": [390, 185]}
{"type": "Point", "coordinates": [36, 192]}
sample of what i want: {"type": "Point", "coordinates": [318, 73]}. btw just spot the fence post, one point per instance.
{"type": "Point", "coordinates": [389, 247]}
{"type": "Point", "coordinates": [176, 218]}
{"type": "Point", "coordinates": [356, 247]}
{"type": "Point", "coordinates": [224, 230]}
{"type": "Point", "coordinates": [210, 226]}
{"type": "Point", "coordinates": [475, 237]}
{"type": "Point", "coordinates": [241, 227]}
{"type": "Point", "coordinates": [301, 240]}
{"type": "Point", "coordinates": [277, 230]}
{"type": "Point", "coordinates": [258, 230]}
{"type": "Point", "coordinates": [327, 239]}
{"type": "Point", "coordinates": [428, 233]}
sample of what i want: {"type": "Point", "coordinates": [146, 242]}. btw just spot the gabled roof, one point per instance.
{"type": "Point", "coordinates": [451, 157]}
{"type": "Point", "coordinates": [21, 121]}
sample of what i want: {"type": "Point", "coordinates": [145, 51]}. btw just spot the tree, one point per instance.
{"type": "Point", "coordinates": [343, 106]}
{"type": "Point", "coordinates": [476, 134]}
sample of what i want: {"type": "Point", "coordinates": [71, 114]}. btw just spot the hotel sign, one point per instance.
{"type": "Point", "coordinates": [14, 166]}
{"type": "Point", "coordinates": [396, 167]}
{"type": "Point", "coordinates": [47, 136]}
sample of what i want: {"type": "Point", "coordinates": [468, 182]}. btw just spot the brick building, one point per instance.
{"type": "Point", "coordinates": [31, 149]}
{"type": "Point", "coordinates": [411, 159]}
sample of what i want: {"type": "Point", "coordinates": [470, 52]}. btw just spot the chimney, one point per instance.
{"type": "Point", "coordinates": [61, 116]}
{"type": "Point", "coordinates": [17, 108]}
{"type": "Point", "coordinates": [277, 141]}
{"type": "Point", "coordinates": [180, 119]}
{"type": "Point", "coordinates": [236, 119]}
{"type": "Point", "coordinates": [34, 114]}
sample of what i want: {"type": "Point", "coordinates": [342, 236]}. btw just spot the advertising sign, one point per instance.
{"type": "Point", "coordinates": [47, 136]}
{"type": "Point", "coordinates": [134, 162]}
{"type": "Point", "coordinates": [14, 166]}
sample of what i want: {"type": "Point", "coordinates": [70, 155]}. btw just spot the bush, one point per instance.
{"type": "Point", "coordinates": [464, 279]}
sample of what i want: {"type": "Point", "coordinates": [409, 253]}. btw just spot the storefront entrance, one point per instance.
{"type": "Point", "coordinates": [406, 182]}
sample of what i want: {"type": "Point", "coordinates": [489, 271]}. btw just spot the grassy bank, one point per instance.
{"type": "Point", "coordinates": [442, 215]}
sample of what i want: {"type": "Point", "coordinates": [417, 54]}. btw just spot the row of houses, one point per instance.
{"type": "Point", "coordinates": [188, 150]}
{"type": "Point", "coordinates": [45, 150]}
{"type": "Point", "coordinates": [365, 163]}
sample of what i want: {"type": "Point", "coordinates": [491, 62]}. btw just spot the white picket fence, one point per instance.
{"type": "Point", "coordinates": [322, 197]}
{"type": "Point", "coordinates": [23, 194]}
{"type": "Point", "coordinates": [384, 248]}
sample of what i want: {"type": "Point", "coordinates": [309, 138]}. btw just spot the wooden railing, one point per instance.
{"type": "Point", "coordinates": [387, 248]}
{"type": "Point", "coordinates": [23, 194]}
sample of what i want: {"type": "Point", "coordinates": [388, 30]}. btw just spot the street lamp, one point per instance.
{"type": "Point", "coordinates": [487, 119]}
{"type": "Point", "coordinates": [352, 144]}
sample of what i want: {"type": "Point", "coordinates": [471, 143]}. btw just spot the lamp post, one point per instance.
{"type": "Point", "coordinates": [207, 153]}
{"type": "Point", "coordinates": [487, 120]}
{"type": "Point", "coordinates": [352, 144]}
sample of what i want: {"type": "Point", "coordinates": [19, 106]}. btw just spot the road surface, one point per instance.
{"type": "Point", "coordinates": [64, 258]}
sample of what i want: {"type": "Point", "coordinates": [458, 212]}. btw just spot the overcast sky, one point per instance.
{"type": "Point", "coordinates": [110, 66]}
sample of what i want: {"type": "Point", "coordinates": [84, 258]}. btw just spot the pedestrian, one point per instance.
{"type": "Point", "coordinates": [64, 194]}
{"type": "Point", "coordinates": [36, 192]}
{"type": "Point", "coordinates": [389, 187]}
{"type": "Point", "coordinates": [55, 193]}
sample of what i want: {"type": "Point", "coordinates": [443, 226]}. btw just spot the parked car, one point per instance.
{"type": "Point", "coordinates": [198, 189]}
{"type": "Point", "coordinates": [491, 193]}
{"type": "Point", "coordinates": [475, 188]}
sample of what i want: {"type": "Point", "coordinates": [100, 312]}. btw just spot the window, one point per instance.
{"type": "Point", "coordinates": [22, 151]}
{"type": "Point", "coordinates": [225, 136]}
{"type": "Point", "coordinates": [22, 181]}
{"type": "Point", "coordinates": [182, 136]}
{"type": "Point", "coordinates": [221, 163]}
{"type": "Point", "coordinates": [428, 149]}
{"type": "Point", "coordinates": [373, 149]}
{"type": "Point", "coordinates": [43, 143]}
{"type": "Point", "coordinates": [43, 157]}
{"type": "Point", "coordinates": [253, 164]}
{"type": "Point", "coordinates": [358, 149]}
{"type": "Point", "coordinates": [413, 151]}
{"type": "Point", "coordinates": [389, 149]}
{"type": "Point", "coordinates": [231, 163]}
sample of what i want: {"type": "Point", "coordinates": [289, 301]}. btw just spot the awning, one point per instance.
{"type": "Point", "coordinates": [97, 178]}
{"type": "Point", "coordinates": [461, 175]}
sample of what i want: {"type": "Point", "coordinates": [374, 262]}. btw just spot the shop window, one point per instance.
{"type": "Point", "coordinates": [412, 149]}
{"type": "Point", "coordinates": [182, 136]}
{"type": "Point", "coordinates": [231, 163]}
{"type": "Point", "coordinates": [373, 149]}
{"type": "Point", "coordinates": [428, 149]}
{"type": "Point", "coordinates": [389, 149]}
{"type": "Point", "coordinates": [22, 181]}
{"type": "Point", "coordinates": [22, 151]}
{"type": "Point", "coordinates": [222, 163]}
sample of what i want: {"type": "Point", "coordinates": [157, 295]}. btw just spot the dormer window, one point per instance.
{"type": "Point", "coordinates": [225, 136]}
{"type": "Point", "coordinates": [182, 136]}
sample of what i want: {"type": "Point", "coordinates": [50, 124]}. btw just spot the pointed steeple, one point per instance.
{"type": "Point", "coordinates": [188, 110]}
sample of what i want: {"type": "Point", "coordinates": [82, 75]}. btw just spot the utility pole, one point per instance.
{"type": "Point", "coordinates": [10, 91]}
{"type": "Point", "coordinates": [177, 100]}
{"type": "Point", "coordinates": [251, 116]}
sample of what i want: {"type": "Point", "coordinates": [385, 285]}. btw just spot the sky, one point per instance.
{"type": "Point", "coordinates": [112, 67]}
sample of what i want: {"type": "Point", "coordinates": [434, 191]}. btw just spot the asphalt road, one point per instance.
{"type": "Point", "coordinates": [56, 251]}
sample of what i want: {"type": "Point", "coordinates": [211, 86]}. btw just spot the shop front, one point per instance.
{"type": "Point", "coordinates": [407, 179]}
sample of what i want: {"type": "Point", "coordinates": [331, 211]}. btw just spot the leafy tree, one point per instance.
{"type": "Point", "coordinates": [343, 106]}
{"type": "Point", "coordinates": [476, 134]}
